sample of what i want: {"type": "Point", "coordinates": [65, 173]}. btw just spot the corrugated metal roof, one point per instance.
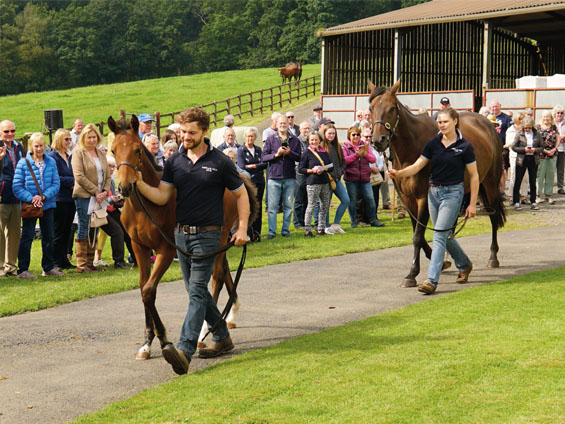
{"type": "Point", "coordinates": [438, 11]}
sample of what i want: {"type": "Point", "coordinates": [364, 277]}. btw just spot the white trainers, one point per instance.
{"type": "Point", "coordinates": [337, 229]}
{"type": "Point", "coordinates": [517, 207]}
{"type": "Point", "coordinates": [539, 200]}
{"type": "Point", "coordinates": [329, 230]}
{"type": "Point", "coordinates": [100, 263]}
{"type": "Point", "coordinates": [26, 274]}
{"type": "Point", "coordinates": [549, 200]}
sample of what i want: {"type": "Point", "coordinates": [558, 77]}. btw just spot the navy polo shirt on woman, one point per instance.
{"type": "Point", "coordinates": [448, 163]}
{"type": "Point", "coordinates": [200, 186]}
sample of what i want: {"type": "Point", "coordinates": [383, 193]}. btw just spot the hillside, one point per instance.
{"type": "Point", "coordinates": [96, 103]}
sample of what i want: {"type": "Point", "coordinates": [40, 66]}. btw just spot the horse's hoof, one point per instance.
{"type": "Point", "coordinates": [408, 282]}
{"type": "Point", "coordinates": [493, 263]}
{"type": "Point", "coordinates": [231, 325]}
{"type": "Point", "coordinates": [446, 264]}
{"type": "Point", "coordinates": [143, 354]}
{"type": "Point", "coordinates": [200, 345]}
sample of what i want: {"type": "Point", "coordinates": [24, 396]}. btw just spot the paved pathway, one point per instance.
{"type": "Point", "coordinates": [66, 361]}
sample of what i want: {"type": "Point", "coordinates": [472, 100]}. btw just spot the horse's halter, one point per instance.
{"type": "Point", "coordinates": [391, 129]}
{"type": "Point", "coordinates": [131, 165]}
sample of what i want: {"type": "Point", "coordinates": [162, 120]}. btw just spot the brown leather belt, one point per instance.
{"type": "Point", "coordinates": [191, 229]}
{"type": "Point", "coordinates": [443, 185]}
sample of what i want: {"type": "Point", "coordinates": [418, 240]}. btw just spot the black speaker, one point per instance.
{"type": "Point", "coordinates": [53, 119]}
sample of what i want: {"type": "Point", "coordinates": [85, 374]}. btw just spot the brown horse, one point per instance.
{"type": "Point", "coordinates": [407, 134]}
{"type": "Point", "coordinates": [128, 150]}
{"type": "Point", "coordinates": [291, 70]}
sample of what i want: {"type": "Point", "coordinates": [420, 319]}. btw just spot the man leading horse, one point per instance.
{"type": "Point", "coordinates": [200, 174]}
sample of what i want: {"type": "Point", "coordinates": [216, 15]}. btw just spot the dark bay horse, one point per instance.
{"type": "Point", "coordinates": [128, 150]}
{"type": "Point", "coordinates": [291, 70]}
{"type": "Point", "coordinates": [407, 134]}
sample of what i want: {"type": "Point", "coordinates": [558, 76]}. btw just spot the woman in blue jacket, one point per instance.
{"type": "Point", "coordinates": [45, 170]}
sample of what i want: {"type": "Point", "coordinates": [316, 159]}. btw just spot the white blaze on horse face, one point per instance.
{"type": "Point", "coordinates": [192, 135]}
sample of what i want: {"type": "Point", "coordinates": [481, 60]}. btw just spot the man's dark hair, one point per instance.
{"type": "Point", "coordinates": [195, 114]}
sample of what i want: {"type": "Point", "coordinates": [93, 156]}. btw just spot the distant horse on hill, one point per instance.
{"type": "Point", "coordinates": [291, 70]}
{"type": "Point", "coordinates": [132, 156]}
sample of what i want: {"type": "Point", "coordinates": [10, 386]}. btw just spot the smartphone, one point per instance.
{"type": "Point", "coordinates": [284, 144]}
{"type": "Point", "coordinates": [1, 143]}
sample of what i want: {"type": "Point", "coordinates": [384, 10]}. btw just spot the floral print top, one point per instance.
{"type": "Point", "coordinates": [548, 138]}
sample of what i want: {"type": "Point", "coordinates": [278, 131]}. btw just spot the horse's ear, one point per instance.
{"type": "Point", "coordinates": [371, 86]}
{"type": "Point", "coordinates": [113, 125]}
{"type": "Point", "coordinates": [134, 124]}
{"type": "Point", "coordinates": [395, 87]}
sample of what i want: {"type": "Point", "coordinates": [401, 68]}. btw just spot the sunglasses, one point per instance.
{"type": "Point", "coordinates": [290, 116]}
{"type": "Point", "coordinates": [9, 131]}
{"type": "Point", "coordinates": [355, 135]}
{"type": "Point", "coordinates": [68, 139]}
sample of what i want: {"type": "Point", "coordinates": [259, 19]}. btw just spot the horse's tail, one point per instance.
{"type": "Point", "coordinates": [254, 208]}
{"type": "Point", "coordinates": [497, 209]}
{"type": "Point", "coordinates": [299, 69]}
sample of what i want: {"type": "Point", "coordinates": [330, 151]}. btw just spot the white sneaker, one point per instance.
{"type": "Point", "coordinates": [329, 230]}
{"type": "Point", "coordinates": [337, 229]}
{"type": "Point", "coordinates": [517, 207]}
{"type": "Point", "coordinates": [549, 200]}
{"type": "Point", "coordinates": [99, 262]}
{"type": "Point", "coordinates": [539, 200]}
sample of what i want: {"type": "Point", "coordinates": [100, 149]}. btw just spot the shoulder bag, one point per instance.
{"type": "Point", "coordinates": [333, 185]}
{"type": "Point", "coordinates": [28, 209]}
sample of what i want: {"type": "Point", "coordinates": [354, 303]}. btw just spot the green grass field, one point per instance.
{"type": "Point", "coordinates": [96, 103]}
{"type": "Point", "coordinates": [489, 354]}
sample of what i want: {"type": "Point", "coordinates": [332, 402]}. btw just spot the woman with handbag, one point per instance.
{"type": "Point", "coordinates": [317, 183]}
{"type": "Point", "coordinates": [36, 182]}
{"type": "Point", "coordinates": [330, 143]}
{"type": "Point", "coordinates": [92, 181]}
{"type": "Point", "coordinates": [357, 176]}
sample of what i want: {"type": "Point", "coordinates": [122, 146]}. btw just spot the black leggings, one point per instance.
{"type": "Point", "coordinates": [529, 164]}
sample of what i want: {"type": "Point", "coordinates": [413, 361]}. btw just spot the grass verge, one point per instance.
{"type": "Point", "coordinates": [18, 296]}
{"type": "Point", "coordinates": [490, 354]}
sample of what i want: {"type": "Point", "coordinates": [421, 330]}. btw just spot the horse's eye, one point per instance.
{"type": "Point", "coordinates": [390, 109]}
{"type": "Point", "coordinates": [113, 152]}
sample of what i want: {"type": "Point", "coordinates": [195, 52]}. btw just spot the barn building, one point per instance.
{"type": "Point", "coordinates": [451, 46]}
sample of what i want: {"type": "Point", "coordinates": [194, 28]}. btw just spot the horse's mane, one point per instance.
{"type": "Point", "coordinates": [124, 126]}
{"type": "Point", "coordinates": [377, 92]}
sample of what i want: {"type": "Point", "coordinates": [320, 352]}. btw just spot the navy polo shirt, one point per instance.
{"type": "Point", "coordinates": [448, 163]}
{"type": "Point", "coordinates": [201, 185]}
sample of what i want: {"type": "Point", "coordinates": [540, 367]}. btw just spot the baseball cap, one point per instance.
{"type": "Point", "coordinates": [317, 107]}
{"type": "Point", "coordinates": [444, 100]}
{"type": "Point", "coordinates": [144, 117]}
{"type": "Point", "coordinates": [325, 121]}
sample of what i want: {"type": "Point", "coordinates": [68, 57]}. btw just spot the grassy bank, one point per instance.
{"type": "Point", "coordinates": [490, 354]}
{"type": "Point", "coordinates": [96, 103]}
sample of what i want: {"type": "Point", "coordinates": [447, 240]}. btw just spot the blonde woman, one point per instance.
{"type": "Point", "coordinates": [65, 210]}
{"type": "Point", "coordinates": [45, 170]}
{"type": "Point", "coordinates": [92, 180]}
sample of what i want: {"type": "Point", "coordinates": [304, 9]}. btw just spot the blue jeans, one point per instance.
{"type": "Point", "coordinates": [277, 188]}
{"type": "Point", "coordinates": [343, 197]}
{"type": "Point", "coordinates": [83, 217]}
{"type": "Point", "coordinates": [28, 232]}
{"type": "Point", "coordinates": [196, 275]}
{"type": "Point", "coordinates": [353, 187]}
{"type": "Point", "coordinates": [444, 204]}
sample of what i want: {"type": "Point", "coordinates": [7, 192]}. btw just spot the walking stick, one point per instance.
{"type": "Point", "coordinates": [393, 202]}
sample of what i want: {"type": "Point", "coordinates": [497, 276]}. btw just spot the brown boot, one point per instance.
{"type": "Point", "coordinates": [80, 253]}
{"type": "Point", "coordinates": [463, 276]}
{"type": "Point", "coordinates": [90, 250]}
{"type": "Point", "coordinates": [217, 348]}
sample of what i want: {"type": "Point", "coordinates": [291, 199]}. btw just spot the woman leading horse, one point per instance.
{"type": "Point", "coordinates": [407, 134]}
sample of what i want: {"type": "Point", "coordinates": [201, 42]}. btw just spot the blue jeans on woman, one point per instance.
{"type": "Point", "coordinates": [196, 275]}
{"type": "Point", "coordinates": [28, 233]}
{"type": "Point", "coordinates": [353, 187]}
{"type": "Point", "coordinates": [83, 217]}
{"type": "Point", "coordinates": [444, 204]}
